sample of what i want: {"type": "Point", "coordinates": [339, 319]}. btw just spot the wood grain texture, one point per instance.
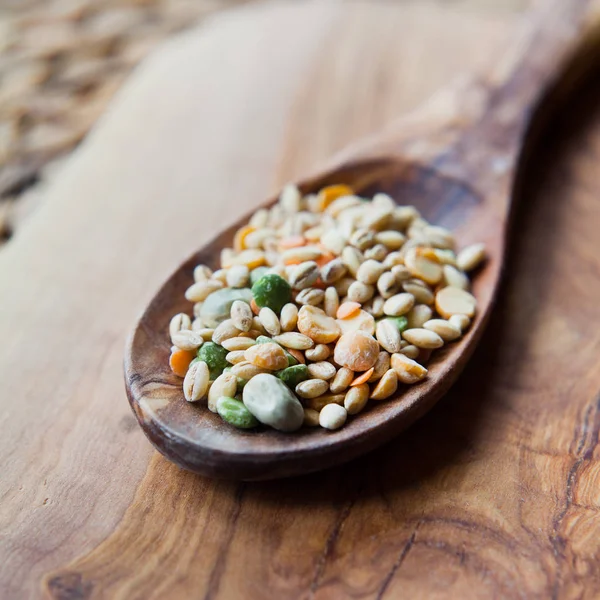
{"type": "Point", "coordinates": [494, 494]}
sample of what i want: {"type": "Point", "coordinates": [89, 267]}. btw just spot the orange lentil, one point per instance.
{"type": "Point", "coordinates": [292, 261]}
{"type": "Point", "coordinates": [255, 308]}
{"type": "Point", "coordinates": [326, 258]}
{"type": "Point", "coordinates": [257, 262]}
{"type": "Point", "coordinates": [180, 361]}
{"type": "Point", "coordinates": [240, 237]}
{"type": "Point", "coordinates": [330, 193]}
{"type": "Point", "coordinates": [428, 253]}
{"type": "Point", "coordinates": [297, 355]}
{"type": "Point", "coordinates": [247, 334]}
{"type": "Point", "coordinates": [347, 310]}
{"type": "Point", "coordinates": [363, 377]}
{"type": "Point", "coordinates": [294, 241]}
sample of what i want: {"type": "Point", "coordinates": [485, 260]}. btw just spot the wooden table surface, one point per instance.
{"type": "Point", "coordinates": [494, 494]}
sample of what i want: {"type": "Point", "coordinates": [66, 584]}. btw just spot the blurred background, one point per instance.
{"type": "Point", "coordinates": [61, 61]}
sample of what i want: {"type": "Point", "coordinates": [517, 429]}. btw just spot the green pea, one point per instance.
{"type": "Point", "coordinates": [216, 308]}
{"type": "Point", "coordinates": [235, 413]}
{"type": "Point", "coordinates": [400, 322]}
{"type": "Point", "coordinates": [257, 273]}
{"type": "Point", "coordinates": [292, 361]}
{"type": "Point", "coordinates": [292, 376]}
{"type": "Point", "coordinates": [263, 339]}
{"type": "Point", "coordinates": [214, 356]}
{"type": "Point", "coordinates": [273, 291]}
{"type": "Point", "coordinates": [241, 382]}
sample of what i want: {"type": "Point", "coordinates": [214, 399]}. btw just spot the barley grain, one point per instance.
{"type": "Point", "coordinates": [292, 339]}
{"type": "Point", "coordinates": [369, 271]}
{"type": "Point", "coordinates": [186, 339]}
{"type": "Point", "coordinates": [200, 290]}
{"type": "Point", "coordinates": [446, 330]}
{"type": "Point", "coordinates": [455, 278]}
{"type": "Point", "coordinates": [289, 317]}
{"type": "Point", "coordinates": [312, 388]}
{"type": "Point", "coordinates": [331, 301]}
{"type": "Point", "coordinates": [241, 315]}
{"type": "Point", "coordinates": [356, 398]}
{"type": "Point", "coordinates": [360, 292]}
{"type": "Point", "coordinates": [235, 357]}
{"type": "Point", "coordinates": [377, 252]}
{"type": "Point", "coordinates": [343, 285]}
{"type": "Point", "coordinates": [471, 257]}
{"type": "Point", "coordinates": [310, 297]}
{"type": "Point", "coordinates": [423, 338]}
{"type": "Point", "coordinates": [238, 276]}
{"type": "Point", "coordinates": [301, 254]}
{"type": "Point", "coordinates": [388, 285]}
{"type": "Point", "coordinates": [321, 370]}
{"type": "Point", "coordinates": [224, 385]}
{"type": "Point", "coordinates": [452, 301]}
{"type": "Point", "coordinates": [334, 240]}
{"type": "Point", "coordinates": [202, 273]}
{"type": "Point", "coordinates": [225, 330]}
{"type": "Point", "coordinates": [421, 294]}
{"type": "Point", "coordinates": [393, 259]}
{"type": "Point", "coordinates": [195, 383]}
{"type": "Point", "coordinates": [332, 416]}
{"type": "Point", "coordinates": [352, 259]}
{"type": "Point", "coordinates": [410, 351]}
{"type": "Point", "coordinates": [388, 335]}
{"type": "Point", "coordinates": [304, 275]}
{"type": "Point", "coordinates": [238, 343]}
{"type": "Point", "coordinates": [386, 386]}
{"type": "Point", "coordinates": [333, 271]}
{"type": "Point", "coordinates": [392, 240]}
{"type": "Point", "coordinates": [419, 314]}
{"type": "Point", "coordinates": [343, 378]}
{"type": "Point", "coordinates": [461, 322]}
{"type": "Point", "coordinates": [382, 364]}
{"type": "Point", "coordinates": [269, 321]}
{"type": "Point", "coordinates": [407, 370]}
{"type": "Point", "coordinates": [398, 305]}
{"type": "Point", "coordinates": [318, 353]}
{"type": "Point", "coordinates": [289, 199]}
{"type": "Point", "coordinates": [178, 323]}
{"type": "Point", "coordinates": [311, 418]}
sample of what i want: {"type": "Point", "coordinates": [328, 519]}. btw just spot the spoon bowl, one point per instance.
{"type": "Point", "coordinates": [460, 173]}
{"type": "Point", "coordinates": [200, 441]}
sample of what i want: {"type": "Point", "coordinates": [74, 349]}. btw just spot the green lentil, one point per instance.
{"type": "Point", "coordinates": [234, 412]}
{"type": "Point", "coordinates": [400, 322]}
{"type": "Point", "coordinates": [214, 356]}
{"type": "Point", "coordinates": [217, 307]}
{"type": "Point", "coordinates": [293, 375]}
{"type": "Point", "coordinates": [273, 291]}
{"type": "Point", "coordinates": [257, 273]}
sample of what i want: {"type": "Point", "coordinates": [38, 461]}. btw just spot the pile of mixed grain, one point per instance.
{"type": "Point", "coordinates": [325, 301]}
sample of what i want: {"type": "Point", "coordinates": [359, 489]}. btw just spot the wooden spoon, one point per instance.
{"type": "Point", "coordinates": [457, 162]}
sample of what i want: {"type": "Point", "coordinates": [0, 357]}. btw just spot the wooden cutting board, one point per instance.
{"type": "Point", "coordinates": [494, 494]}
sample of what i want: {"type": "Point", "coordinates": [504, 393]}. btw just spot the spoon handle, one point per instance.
{"type": "Point", "coordinates": [557, 43]}
{"type": "Point", "coordinates": [475, 130]}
